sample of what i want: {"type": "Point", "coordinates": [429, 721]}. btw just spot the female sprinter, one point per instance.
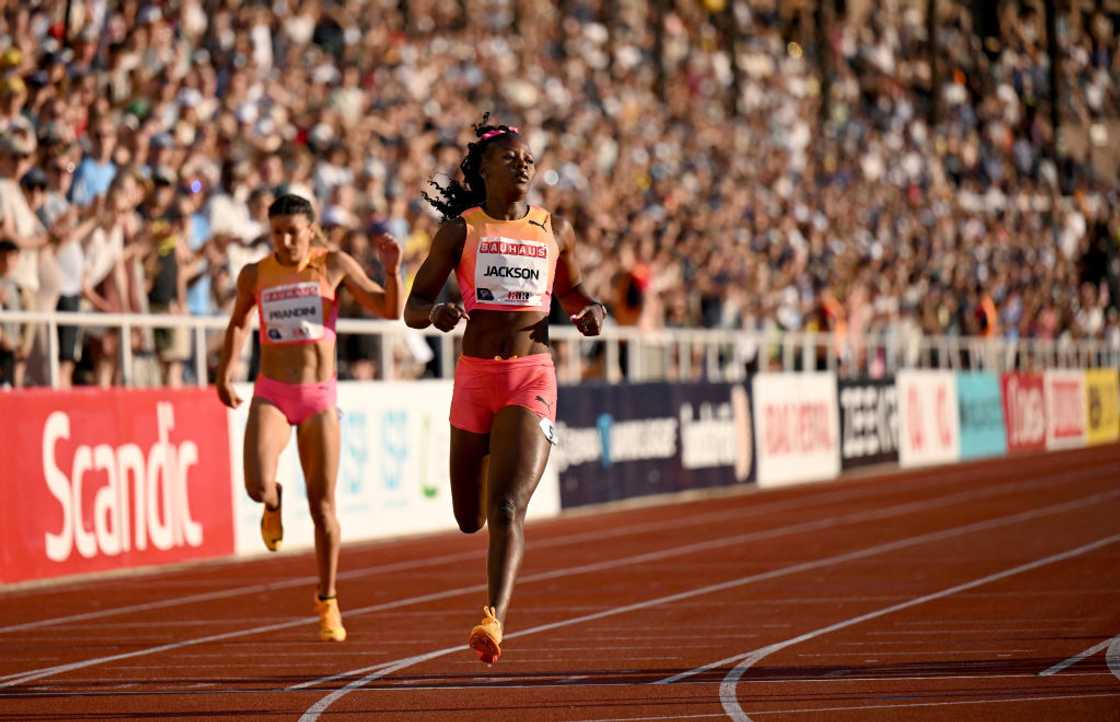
{"type": "Point", "coordinates": [296, 291]}
{"type": "Point", "coordinates": [509, 258]}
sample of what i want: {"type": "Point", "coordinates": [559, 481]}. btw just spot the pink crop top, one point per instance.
{"type": "Point", "coordinates": [296, 305]}
{"type": "Point", "coordinates": [508, 265]}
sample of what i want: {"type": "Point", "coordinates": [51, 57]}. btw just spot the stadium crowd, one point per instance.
{"type": "Point", "coordinates": [138, 154]}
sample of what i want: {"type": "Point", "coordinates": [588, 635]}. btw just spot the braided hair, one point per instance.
{"type": "Point", "coordinates": [454, 198]}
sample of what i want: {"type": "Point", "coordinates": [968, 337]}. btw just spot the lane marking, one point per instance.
{"type": "Point", "coordinates": [851, 708]}
{"type": "Point", "coordinates": [596, 535]}
{"type": "Point", "coordinates": [1112, 658]}
{"type": "Point", "coordinates": [912, 652]}
{"type": "Point", "coordinates": [727, 688]}
{"type": "Point", "coordinates": [933, 479]}
{"type": "Point", "coordinates": [371, 674]}
{"type": "Point", "coordinates": [18, 678]}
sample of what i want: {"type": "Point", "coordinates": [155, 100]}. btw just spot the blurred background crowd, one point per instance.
{"type": "Point", "coordinates": [831, 165]}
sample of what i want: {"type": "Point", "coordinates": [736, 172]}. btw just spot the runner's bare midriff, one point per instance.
{"type": "Point", "coordinates": [303, 363]}
{"type": "Point", "coordinates": [506, 334]}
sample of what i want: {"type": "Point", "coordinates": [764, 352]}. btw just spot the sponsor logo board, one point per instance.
{"type": "Point", "coordinates": [1066, 415]}
{"type": "Point", "coordinates": [929, 424]}
{"type": "Point", "coordinates": [112, 479]}
{"type": "Point", "coordinates": [796, 423]}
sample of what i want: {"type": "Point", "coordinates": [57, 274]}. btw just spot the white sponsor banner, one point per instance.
{"type": "Point", "coordinates": [929, 423]}
{"type": "Point", "coordinates": [511, 272]}
{"type": "Point", "coordinates": [1066, 418]}
{"type": "Point", "coordinates": [796, 421]}
{"type": "Point", "coordinates": [393, 473]}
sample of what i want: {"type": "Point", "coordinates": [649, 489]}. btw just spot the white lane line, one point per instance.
{"type": "Point", "coordinates": [1112, 657]}
{"type": "Point", "coordinates": [32, 675]}
{"type": "Point", "coordinates": [991, 622]}
{"type": "Point", "coordinates": [12, 680]}
{"type": "Point", "coordinates": [957, 632]}
{"type": "Point", "coordinates": [372, 674]}
{"type": "Point", "coordinates": [911, 602]}
{"type": "Point", "coordinates": [727, 688]}
{"type": "Point", "coordinates": [852, 708]}
{"type": "Point", "coordinates": [1066, 663]}
{"type": "Point", "coordinates": [913, 652]}
{"type": "Point", "coordinates": [932, 480]}
{"type": "Point", "coordinates": [992, 700]}
{"type": "Point", "coordinates": [597, 535]}
{"type": "Point", "coordinates": [738, 539]}
{"type": "Point", "coordinates": [660, 716]}
{"type": "Point", "coordinates": [904, 678]}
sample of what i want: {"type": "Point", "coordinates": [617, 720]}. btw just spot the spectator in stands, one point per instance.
{"type": "Point", "coordinates": [15, 339]}
{"type": "Point", "coordinates": [97, 169]}
{"type": "Point", "coordinates": [17, 220]}
{"type": "Point", "coordinates": [169, 262]}
{"type": "Point", "coordinates": [67, 259]}
{"type": "Point", "coordinates": [681, 204]}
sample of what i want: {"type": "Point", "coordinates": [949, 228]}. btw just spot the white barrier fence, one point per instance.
{"type": "Point", "coordinates": [636, 355]}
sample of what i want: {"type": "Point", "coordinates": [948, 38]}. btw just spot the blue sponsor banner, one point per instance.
{"type": "Point", "coordinates": [619, 441]}
{"type": "Point", "coordinates": [983, 432]}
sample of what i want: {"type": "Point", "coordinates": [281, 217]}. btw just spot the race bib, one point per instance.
{"type": "Point", "coordinates": [293, 312]}
{"type": "Point", "coordinates": [509, 272]}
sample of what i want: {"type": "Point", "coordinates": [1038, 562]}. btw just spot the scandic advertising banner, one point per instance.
{"type": "Point", "coordinates": [983, 432]}
{"type": "Point", "coordinates": [1024, 411]}
{"type": "Point", "coordinates": [627, 440]}
{"type": "Point", "coordinates": [96, 480]}
{"type": "Point", "coordinates": [393, 475]}
{"type": "Point", "coordinates": [1102, 402]}
{"type": "Point", "coordinates": [868, 422]}
{"type": "Point", "coordinates": [796, 426]}
{"type": "Point", "coordinates": [1065, 409]}
{"type": "Point", "coordinates": [929, 424]}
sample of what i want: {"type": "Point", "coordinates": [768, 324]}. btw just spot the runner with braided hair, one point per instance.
{"type": "Point", "coordinates": [510, 258]}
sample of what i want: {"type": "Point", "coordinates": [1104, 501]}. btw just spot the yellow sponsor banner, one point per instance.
{"type": "Point", "coordinates": [1102, 405]}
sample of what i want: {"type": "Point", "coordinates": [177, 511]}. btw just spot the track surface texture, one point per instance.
{"type": "Point", "coordinates": [980, 591]}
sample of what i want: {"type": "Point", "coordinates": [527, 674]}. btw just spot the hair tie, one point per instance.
{"type": "Point", "coordinates": [499, 131]}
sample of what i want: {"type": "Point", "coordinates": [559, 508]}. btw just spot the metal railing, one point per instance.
{"type": "Point", "coordinates": [628, 353]}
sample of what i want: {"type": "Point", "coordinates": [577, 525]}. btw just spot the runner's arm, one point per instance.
{"type": "Point", "coordinates": [236, 332]}
{"type": "Point", "coordinates": [442, 258]}
{"type": "Point", "coordinates": [586, 312]}
{"type": "Point", "coordinates": [384, 301]}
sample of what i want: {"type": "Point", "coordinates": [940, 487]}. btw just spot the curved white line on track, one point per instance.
{"type": "Point", "coordinates": [597, 535]}
{"type": "Point", "coordinates": [727, 688]}
{"type": "Point", "coordinates": [314, 711]}
{"type": "Point", "coordinates": [933, 478]}
{"type": "Point", "coordinates": [1112, 657]}
{"type": "Point", "coordinates": [18, 678]}
{"type": "Point", "coordinates": [1070, 661]}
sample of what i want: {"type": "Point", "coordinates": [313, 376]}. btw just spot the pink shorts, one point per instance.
{"type": "Point", "coordinates": [298, 402]}
{"type": "Point", "coordinates": [485, 386]}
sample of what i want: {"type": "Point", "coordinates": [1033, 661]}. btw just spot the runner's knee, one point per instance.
{"type": "Point", "coordinates": [469, 523]}
{"type": "Point", "coordinates": [255, 489]}
{"type": "Point", "coordinates": [322, 513]}
{"type": "Point", "coordinates": [506, 510]}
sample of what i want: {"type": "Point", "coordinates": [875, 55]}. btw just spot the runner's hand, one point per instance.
{"type": "Point", "coordinates": [228, 396]}
{"type": "Point", "coordinates": [590, 320]}
{"type": "Point", "coordinates": [389, 249]}
{"type": "Point", "coordinates": [445, 316]}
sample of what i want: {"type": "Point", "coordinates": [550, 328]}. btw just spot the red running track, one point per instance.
{"type": "Point", "coordinates": [951, 593]}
